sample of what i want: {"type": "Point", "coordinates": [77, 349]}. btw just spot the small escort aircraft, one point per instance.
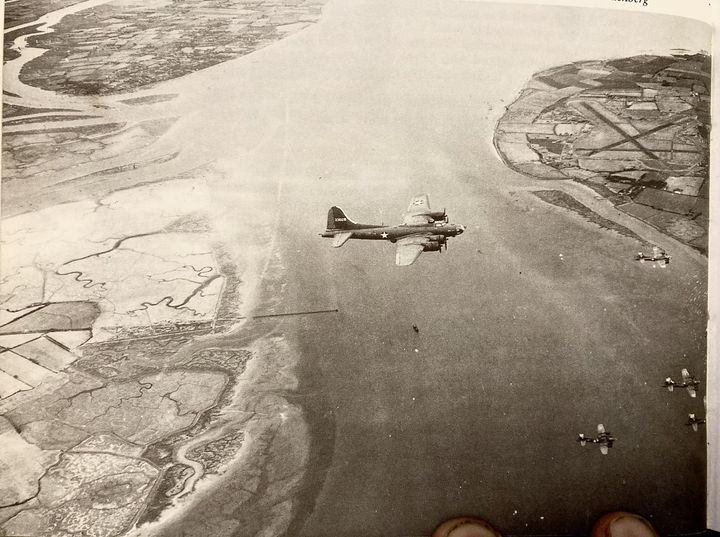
{"type": "Point", "coordinates": [422, 230]}
{"type": "Point", "coordinates": [604, 439]}
{"type": "Point", "coordinates": [689, 382]}
{"type": "Point", "coordinates": [658, 256]}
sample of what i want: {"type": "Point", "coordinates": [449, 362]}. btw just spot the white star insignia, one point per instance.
{"type": "Point", "coordinates": [384, 235]}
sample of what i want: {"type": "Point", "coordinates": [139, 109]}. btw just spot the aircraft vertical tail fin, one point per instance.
{"type": "Point", "coordinates": [337, 220]}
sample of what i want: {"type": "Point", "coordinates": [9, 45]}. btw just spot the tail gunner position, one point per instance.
{"type": "Point", "coordinates": [422, 230]}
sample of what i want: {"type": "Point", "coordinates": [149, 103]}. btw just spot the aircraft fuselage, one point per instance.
{"type": "Point", "coordinates": [393, 233]}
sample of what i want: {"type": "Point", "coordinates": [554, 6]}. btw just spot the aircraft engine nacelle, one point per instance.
{"type": "Point", "coordinates": [440, 239]}
{"type": "Point", "coordinates": [438, 215]}
{"type": "Point", "coordinates": [432, 246]}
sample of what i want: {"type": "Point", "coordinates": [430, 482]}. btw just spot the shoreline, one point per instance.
{"type": "Point", "coordinates": [153, 34]}
{"type": "Point", "coordinates": [533, 142]}
{"type": "Point", "coordinates": [321, 446]}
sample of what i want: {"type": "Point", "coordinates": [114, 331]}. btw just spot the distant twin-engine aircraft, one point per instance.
{"type": "Point", "coordinates": [422, 230]}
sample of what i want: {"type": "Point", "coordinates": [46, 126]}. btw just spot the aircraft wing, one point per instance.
{"type": "Point", "coordinates": [420, 203]}
{"type": "Point", "coordinates": [409, 249]}
{"type": "Point", "coordinates": [417, 212]}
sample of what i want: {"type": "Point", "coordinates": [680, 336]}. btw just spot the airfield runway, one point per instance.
{"type": "Point", "coordinates": [535, 326]}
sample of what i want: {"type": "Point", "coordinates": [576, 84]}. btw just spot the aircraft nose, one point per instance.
{"type": "Point", "coordinates": [461, 228]}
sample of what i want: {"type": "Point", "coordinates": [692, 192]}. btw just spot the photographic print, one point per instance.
{"type": "Point", "coordinates": [351, 268]}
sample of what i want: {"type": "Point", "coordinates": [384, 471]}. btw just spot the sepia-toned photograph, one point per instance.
{"type": "Point", "coordinates": [353, 268]}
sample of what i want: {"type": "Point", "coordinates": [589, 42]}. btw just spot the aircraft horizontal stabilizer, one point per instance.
{"type": "Point", "coordinates": [341, 238]}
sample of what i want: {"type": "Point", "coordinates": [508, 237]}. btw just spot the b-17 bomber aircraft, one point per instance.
{"type": "Point", "coordinates": [659, 255]}
{"type": "Point", "coordinates": [604, 439]}
{"type": "Point", "coordinates": [422, 230]}
{"type": "Point", "coordinates": [694, 421]}
{"type": "Point", "coordinates": [689, 382]}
